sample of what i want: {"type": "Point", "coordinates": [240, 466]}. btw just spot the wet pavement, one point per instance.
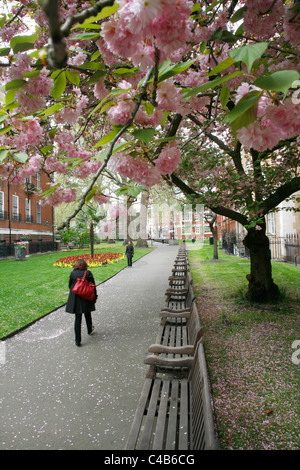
{"type": "Point", "coordinates": [57, 396]}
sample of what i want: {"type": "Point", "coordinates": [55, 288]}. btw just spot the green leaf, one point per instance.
{"type": "Point", "coordinates": [3, 155]}
{"type": "Point", "coordinates": [5, 130]}
{"type": "Point", "coordinates": [145, 135]}
{"type": "Point", "coordinates": [249, 54]}
{"type": "Point", "coordinates": [106, 139]}
{"type": "Point", "coordinates": [59, 85]}
{"type": "Point", "coordinates": [133, 191]}
{"type": "Point", "coordinates": [46, 149]}
{"type": "Point", "coordinates": [107, 11]}
{"type": "Point", "coordinates": [50, 190]}
{"type": "Point", "coordinates": [51, 109]}
{"type": "Point", "coordinates": [96, 77]}
{"type": "Point", "coordinates": [91, 66]}
{"type": "Point", "coordinates": [238, 15]}
{"type": "Point", "coordinates": [10, 97]}
{"type": "Point", "coordinates": [4, 51]}
{"type": "Point", "coordinates": [90, 194]}
{"type": "Point", "coordinates": [278, 81]}
{"type": "Point", "coordinates": [222, 66]}
{"type": "Point", "coordinates": [23, 43]}
{"type": "Point", "coordinates": [13, 85]}
{"type": "Point", "coordinates": [210, 85]}
{"type": "Point", "coordinates": [224, 95]}
{"type": "Point", "coordinates": [172, 70]}
{"type": "Point", "coordinates": [245, 111]}
{"type": "Point", "coordinates": [86, 36]}
{"type": "Point", "coordinates": [20, 157]}
{"type": "Point", "coordinates": [73, 77]}
{"type": "Point", "coordinates": [126, 71]}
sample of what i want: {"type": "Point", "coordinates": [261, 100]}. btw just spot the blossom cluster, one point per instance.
{"type": "Point", "coordinates": [278, 121]}
{"type": "Point", "coordinates": [98, 260]}
{"type": "Point", "coordinates": [139, 27]}
{"type": "Point", "coordinates": [143, 171]}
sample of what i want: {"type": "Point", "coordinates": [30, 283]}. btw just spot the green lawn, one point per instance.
{"type": "Point", "coordinates": [255, 384]}
{"type": "Point", "coordinates": [34, 287]}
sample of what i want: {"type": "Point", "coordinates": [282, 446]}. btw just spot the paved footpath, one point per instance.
{"type": "Point", "coordinates": [55, 395]}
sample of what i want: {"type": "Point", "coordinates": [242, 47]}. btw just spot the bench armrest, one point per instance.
{"type": "Point", "coordinates": [175, 313]}
{"type": "Point", "coordinates": [162, 361]}
{"type": "Point", "coordinates": [159, 348]}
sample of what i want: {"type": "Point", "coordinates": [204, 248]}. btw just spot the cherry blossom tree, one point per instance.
{"type": "Point", "coordinates": [202, 95]}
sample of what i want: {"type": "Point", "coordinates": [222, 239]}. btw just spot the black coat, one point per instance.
{"type": "Point", "coordinates": [76, 304]}
{"type": "Point", "coordinates": [129, 251]}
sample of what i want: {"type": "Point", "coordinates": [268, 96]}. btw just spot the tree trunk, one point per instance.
{"type": "Point", "coordinates": [214, 231]}
{"type": "Point", "coordinates": [261, 287]}
{"type": "Point", "coordinates": [142, 239]}
{"type": "Point", "coordinates": [92, 238]}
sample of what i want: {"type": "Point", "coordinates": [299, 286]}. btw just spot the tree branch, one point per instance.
{"type": "Point", "coordinates": [83, 15]}
{"type": "Point", "coordinates": [282, 193]}
{"type": "Point", "coordinates": [56, 49]}
{"type": "Point", "coordinates": [217, 209]}
{"type": "Point", "coordinates": [109, 154]}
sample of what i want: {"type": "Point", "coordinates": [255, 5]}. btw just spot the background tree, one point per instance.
{"type": "Point", "coordinates": [211, 218]}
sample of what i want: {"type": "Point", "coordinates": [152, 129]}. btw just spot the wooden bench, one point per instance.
{"type": "Point", "coordinates": [177, 337]}
{"type": "Point", "coordinates": [176, 307]}
{"type": "Point", "coordinates": [179, 292]}
{"type": "Point", "coordinates": [175, 413]}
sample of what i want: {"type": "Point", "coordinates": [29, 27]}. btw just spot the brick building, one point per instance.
{"type": "Point", "coordinates": [21, 213]}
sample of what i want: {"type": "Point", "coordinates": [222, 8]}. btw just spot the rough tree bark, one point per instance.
{"type": "Point", "coordinates": [261, 286]}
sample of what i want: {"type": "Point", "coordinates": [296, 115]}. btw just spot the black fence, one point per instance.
{"type": "Point", "coordinates": [282, 248]}
{"type": "Point", "coordinates": [7, 250]}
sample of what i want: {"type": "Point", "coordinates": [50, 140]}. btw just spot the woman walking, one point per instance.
{"type": "Point", "coordinates": [77, 305]}
{"type": "Point", "coordinates": [129, 253]}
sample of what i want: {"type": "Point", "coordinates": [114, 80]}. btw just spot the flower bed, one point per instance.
{"type": "Point", "coordinates": [98, 260]}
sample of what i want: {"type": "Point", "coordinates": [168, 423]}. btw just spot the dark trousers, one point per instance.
{"type": "Point", "coordinates": [129, 260]}
{"type": "Point", "coordinates": [77, 326]}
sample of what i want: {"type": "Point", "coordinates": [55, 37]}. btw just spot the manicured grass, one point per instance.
{"type": "Point", "coordinates": [34, 287]}
{"type": "Point", "coordinates": [254, 382]}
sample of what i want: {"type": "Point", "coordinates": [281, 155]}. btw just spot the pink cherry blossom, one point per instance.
{"type": "Point", "coordinates": [100, 197]}
{"type": "Point", "coordinates": [286, 117]}
{"type": "Point", "coordinates": [20, 66]}
{"type": "Point", "coordinates": [258, 136]}
{"type": "Point", "coordinates": [169, 159]}
{"type": "Point", "coordinates": [39, 85]}
{"type": "Point", "coordinates": [100, 91]}
{"type": "Point", "coordinates": [60, 195]}
{"type": "Point", "coordinates": [121, 112]}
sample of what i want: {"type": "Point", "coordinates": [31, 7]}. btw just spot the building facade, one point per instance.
{"type": "Point", "coordinates": [21, 214]}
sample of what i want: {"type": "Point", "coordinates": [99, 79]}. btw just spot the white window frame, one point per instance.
{"type": "Point", "coordinates": [38, 213]}
{"type": "Point", "coordinates": [27, 210]}
{"type": "Point", "coordinates": [2, 205]}
{"type": "Point", "coordinates": [15, 207]}
{"type": "Point", "coordinates": [38, 180]}
{"type": "Point", "coordinates": [271, 223]}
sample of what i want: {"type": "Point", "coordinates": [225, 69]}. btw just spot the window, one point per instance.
{"type": "Point", "coordinates": [38, 181]}
{"type": "Point", "coordinates": [15, 207]}
{"type": "Point", "coordinates": [271, 223]}
{"type": "Point", "coordinates": [38, 213]}
{"type": "Point", "coordinates": [1, 205]}
{"type": "Point", "coordinates": [27, 210]}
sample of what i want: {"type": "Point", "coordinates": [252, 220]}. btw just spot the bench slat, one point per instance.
{"type": "Point", "coordinates": [137, 420]}
{"type": "Point", "coordinates": [160, 431]}
{"type": "Point", "coordinates": [183, 440]}
{"type": "Point", "coordinates": [172, 422]}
